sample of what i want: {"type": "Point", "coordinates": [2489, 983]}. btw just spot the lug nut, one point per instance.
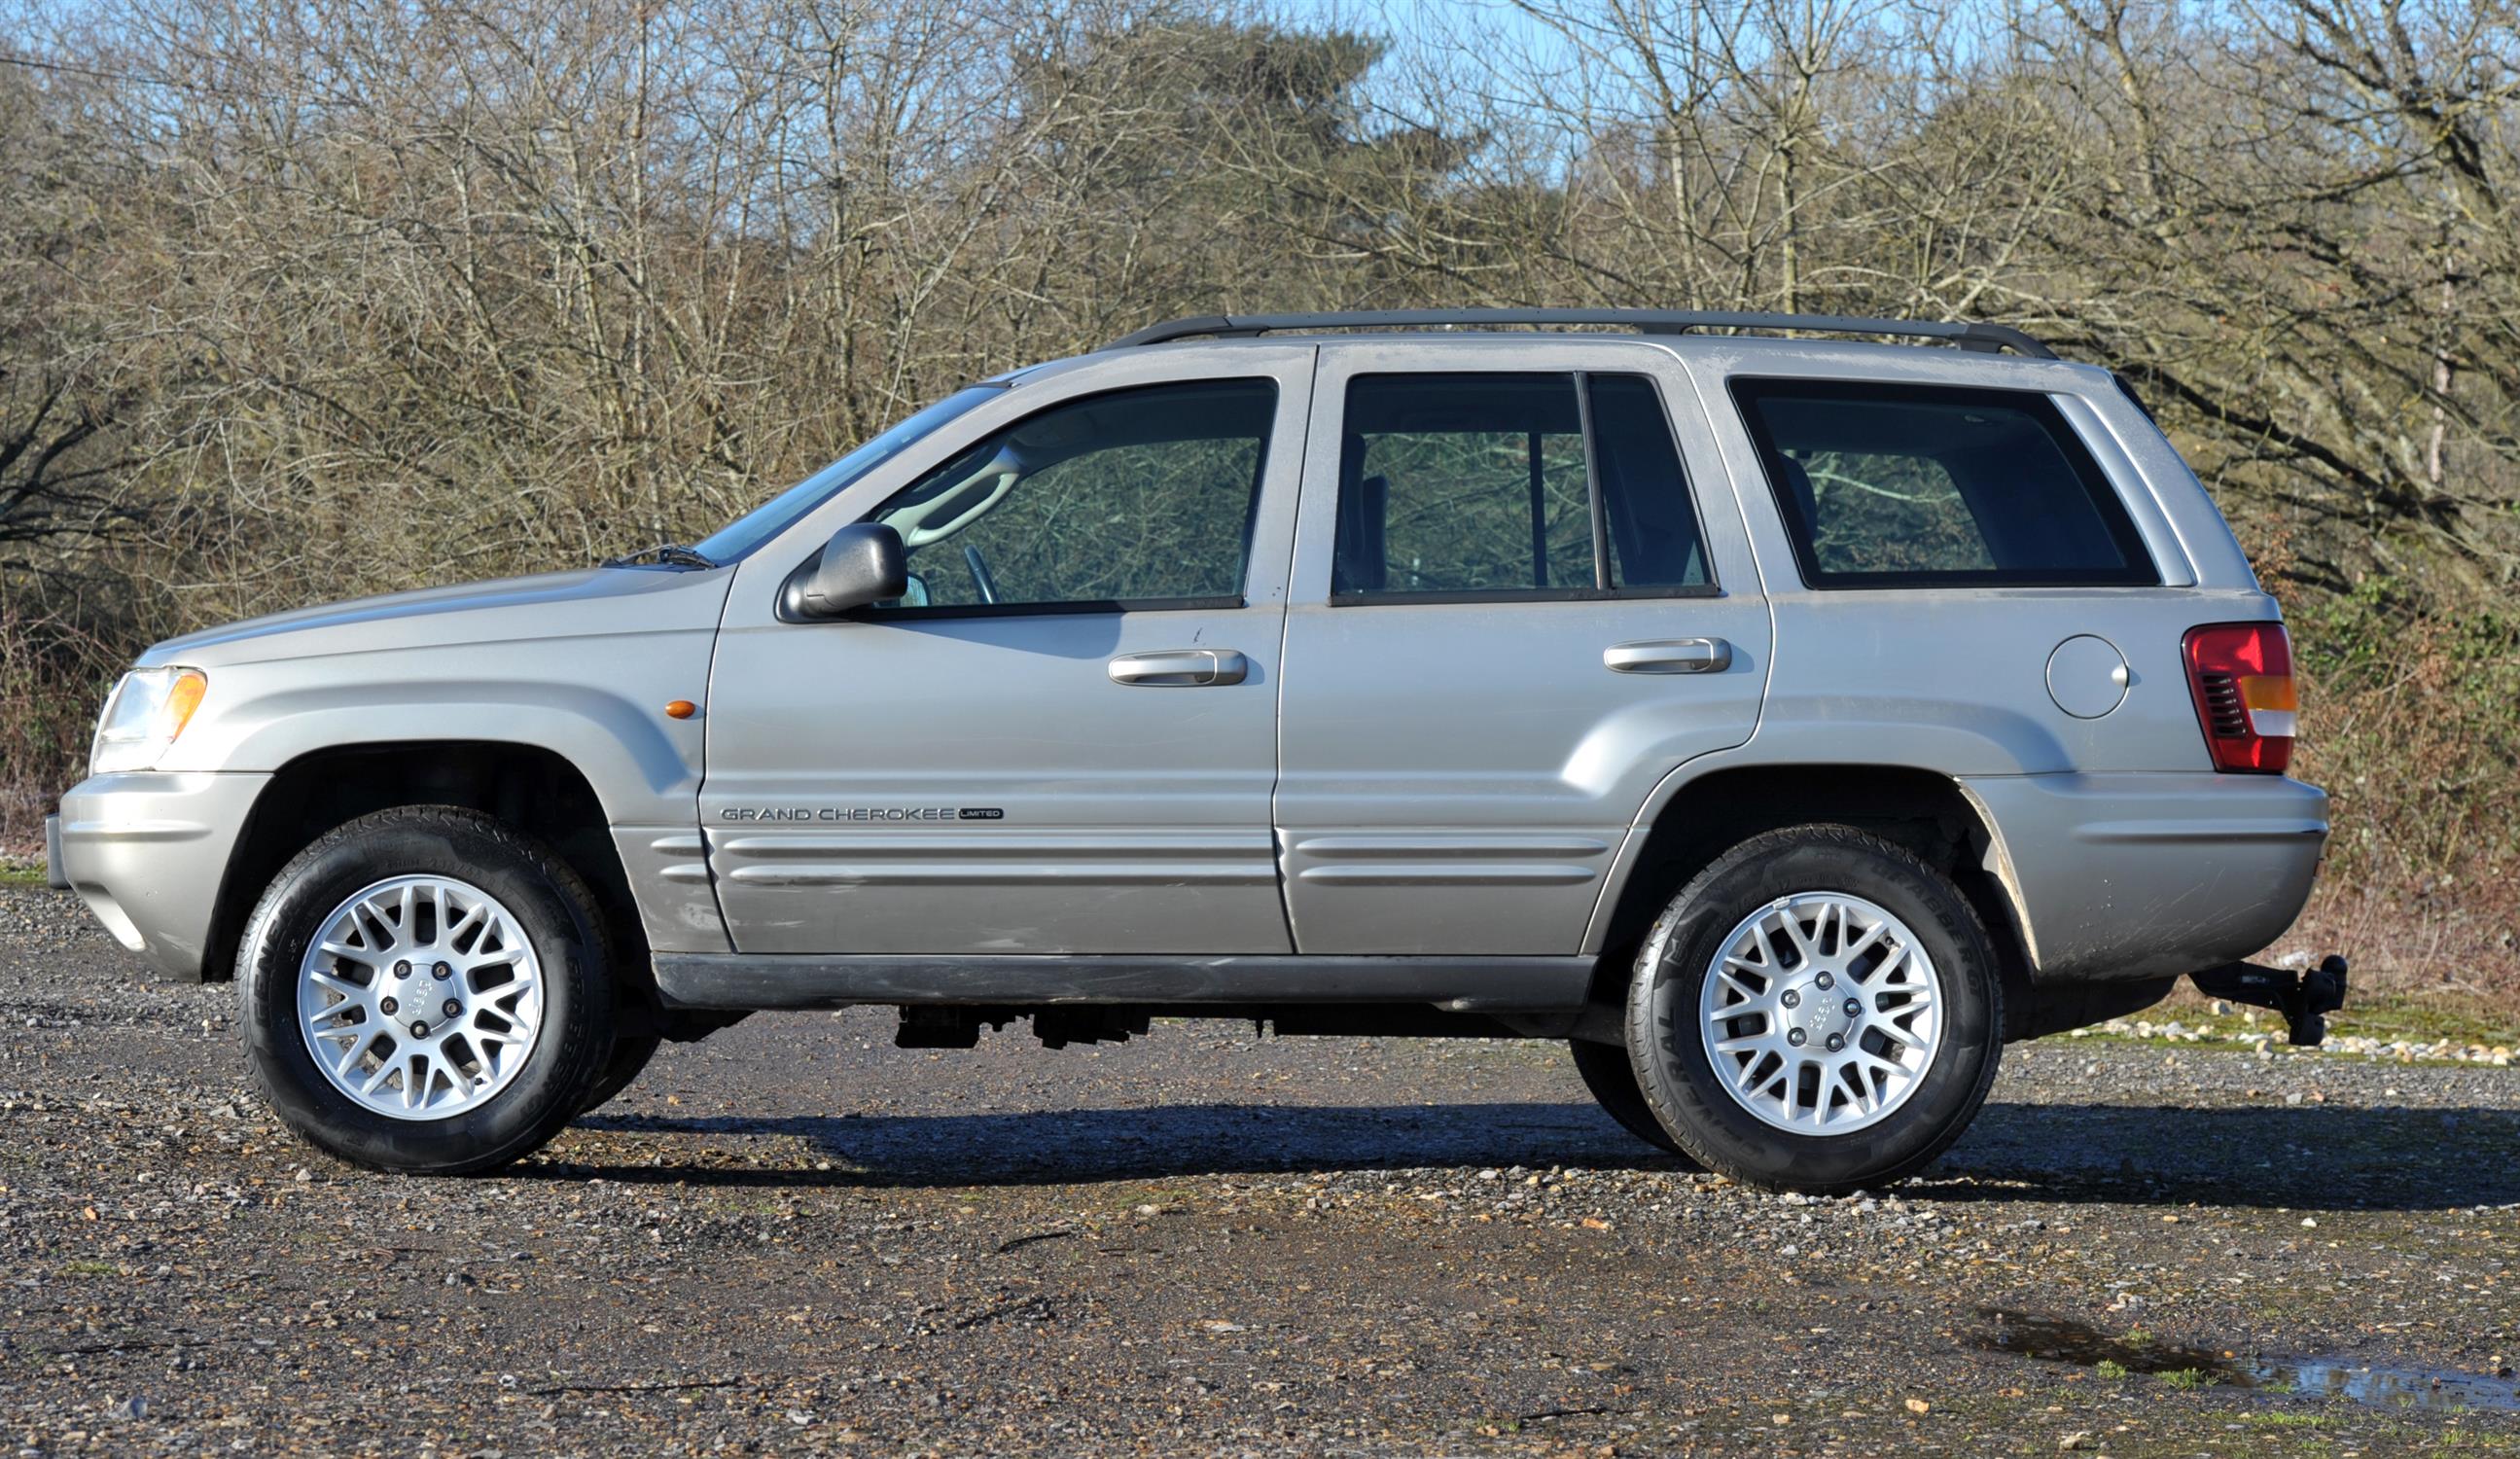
{"type": "Point", "coordinates": [442, 972]}
{"type": "Point", "coordinates": [453, 1008]}
{"type": "Point", "coordinates": [1823, 979]}
{"type": "Point", "coordinates": [1835, 1043]}
{"type": "Point", "coordinates": [389, 1007]}
{"type": "Point", "coordinates": [402, 970]}
{"type": "Point", "coordinates": [1796, 1037]}
{"type": "Point", "coordinates": [1791, 999]}
{"type": "Point", "coordinates": [419, 1029]}
{"type": "Point", "coordinates": [1854, 1010]}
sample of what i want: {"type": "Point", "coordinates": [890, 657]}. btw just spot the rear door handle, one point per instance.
{"type": "Point", "coordinates": [1181, 668]}
{"type": "Point", "coordinates": [1669, 655]}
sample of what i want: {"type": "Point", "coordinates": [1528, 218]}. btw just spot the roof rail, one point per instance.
{"type": "Point", "coordinates": [1967, 335]}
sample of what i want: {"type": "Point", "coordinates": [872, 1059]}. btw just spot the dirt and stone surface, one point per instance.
{"type": "Point", "coordinates": [795, 1237]}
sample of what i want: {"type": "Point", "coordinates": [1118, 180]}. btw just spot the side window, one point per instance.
{"type": "Point", "coordinates": [1929, 485]}
{"type": "Point", "coordinates": [1653, 532]}
{"type": "Point", "coordinates": [1139, 497]}
{"type": "Point", "coordinates": [1544, 485]}
{"type": "Point", "coordinates": [1463, 484]}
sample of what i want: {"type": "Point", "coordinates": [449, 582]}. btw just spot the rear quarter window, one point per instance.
{"type": "Point", "coordinates": [1885, 485]}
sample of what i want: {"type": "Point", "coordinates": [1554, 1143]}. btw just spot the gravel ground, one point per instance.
{"type": "Point", "coordinates": [795, 1237]}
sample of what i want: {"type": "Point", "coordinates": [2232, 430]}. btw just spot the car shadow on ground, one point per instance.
{"type": "Point", "coordinates": [2315, 1157]}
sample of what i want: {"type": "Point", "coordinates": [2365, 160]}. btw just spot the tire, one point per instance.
{"type": "Point", "coordinates": [1612, 1079]}
{"type": "Point", "coordinates": [531, 1007]}
{"type": "Point", "coordinates": [1942, 1010]}
{"type": "Point", "coordinates": [630, 1056]}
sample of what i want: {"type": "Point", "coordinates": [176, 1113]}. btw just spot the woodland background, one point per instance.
{"type": "Point", "coordinates": [311, 299]}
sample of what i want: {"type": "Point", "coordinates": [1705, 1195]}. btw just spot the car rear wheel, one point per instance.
{"type": "Point", "coordinates": [426, 990]}
{"type": "Point", "coordinates": [1819, 1010]}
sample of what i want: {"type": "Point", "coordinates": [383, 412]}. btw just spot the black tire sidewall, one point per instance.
{"type": "Point", "coordinates": [557, 916]}
{"type": "Point", "coordinates": [1678, 1079]}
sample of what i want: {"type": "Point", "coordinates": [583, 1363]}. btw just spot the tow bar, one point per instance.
{"type": "Point", "coordinates": [2305, 999]}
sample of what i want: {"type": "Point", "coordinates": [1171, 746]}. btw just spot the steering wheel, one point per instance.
{"type": "Point", "coordinates": [980, 577]}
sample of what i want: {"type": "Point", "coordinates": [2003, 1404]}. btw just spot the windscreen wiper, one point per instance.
{"type": "Point", "coordinates": [670, 554]}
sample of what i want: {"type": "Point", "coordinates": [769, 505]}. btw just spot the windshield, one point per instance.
{"type": "Point", "coordinates": [775, 515]}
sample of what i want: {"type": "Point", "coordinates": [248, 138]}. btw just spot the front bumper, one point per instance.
{"type": "Point", "coordinates": [147, 852]}
{"type": "Point", "coordinates": [2120, 878]}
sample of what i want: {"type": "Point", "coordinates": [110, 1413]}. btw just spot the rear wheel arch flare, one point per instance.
{"type": "Point", "coordinates": [1926, 811]}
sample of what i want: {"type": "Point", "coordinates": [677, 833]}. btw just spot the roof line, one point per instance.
{"type": "Point", "coordinates": [1967, 334]}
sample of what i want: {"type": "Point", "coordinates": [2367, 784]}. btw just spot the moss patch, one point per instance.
{"type": "Point", "coordinates": [2388, 1017]}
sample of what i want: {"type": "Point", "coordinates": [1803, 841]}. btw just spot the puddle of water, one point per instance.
{"type": "Point", "coordinates": [2059, 1340]}
{"type": "Point", "coordinates": [2387, 1388]}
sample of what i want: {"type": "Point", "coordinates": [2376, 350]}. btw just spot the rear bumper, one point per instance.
{"type": "Point", "coordinates": [53, 877]}
{"type": "Point", "coordinates": [2119, 878]}
{"type": "Point", "coordinates": [147, 852]}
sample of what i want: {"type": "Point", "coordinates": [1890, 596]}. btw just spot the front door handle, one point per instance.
{"type": "Point", "coordinates": [1669, 655]}
{"type": "Point", "coordinates": [1181, 668]}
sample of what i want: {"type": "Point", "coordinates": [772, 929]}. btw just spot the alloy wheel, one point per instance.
{"type": "Point", "coordinates": [1821, 1013]}
{"type": "Point", "coordinates": [421, 997]}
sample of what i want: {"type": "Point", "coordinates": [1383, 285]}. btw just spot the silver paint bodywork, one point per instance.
{"type": "Point", "coordinates": [1136, 817]}
{"type": "Point", "coordinates": [1455, 780]}
{"type": "Point", "coordinates": [1456, 777]}
{"type": "Point", "coordinates": [577, 662]}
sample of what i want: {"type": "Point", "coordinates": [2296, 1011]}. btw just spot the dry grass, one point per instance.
{"type": "Point", "coordinates": [53, 675]}
{"type": "Point", "coordinates": [2411, 721]}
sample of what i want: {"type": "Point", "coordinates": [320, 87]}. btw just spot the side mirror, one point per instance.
{"type": "Point", "coordinates": [864, 562]}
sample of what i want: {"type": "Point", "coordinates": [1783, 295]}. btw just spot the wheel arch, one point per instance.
{"type": "Point", "coordinates": [1696, 817]}
{"type": "Point", "coordinates": [530, 787]}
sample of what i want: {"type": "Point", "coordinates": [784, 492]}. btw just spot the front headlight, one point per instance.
{"type": "Point", "coordinates": [149, 709]}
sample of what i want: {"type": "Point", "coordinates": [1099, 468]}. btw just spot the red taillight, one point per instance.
{"type": "Point", "coordinates": [2242, 677]}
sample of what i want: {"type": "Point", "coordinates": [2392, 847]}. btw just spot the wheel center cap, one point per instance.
{"type": "Point", "coordinates": [1820, 1011]}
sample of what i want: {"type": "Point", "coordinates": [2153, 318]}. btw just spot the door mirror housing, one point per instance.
{"type": "Point", "coordinates": [864, 562]}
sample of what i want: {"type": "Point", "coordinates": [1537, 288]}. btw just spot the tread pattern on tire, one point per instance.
{"type": "Point", "coordinates": [621, 1069]}
{"type": "Point", "coordinates": [1598, 1063]}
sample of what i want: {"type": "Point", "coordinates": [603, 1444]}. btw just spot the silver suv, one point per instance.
{"type": "Point", "coordinates": [1783, 723]}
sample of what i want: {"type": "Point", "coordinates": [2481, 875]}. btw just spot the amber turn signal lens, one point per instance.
{"type": "Point", "coordinates": [681, 709]}
{"type": "Point", "coordinates": [183, 697]}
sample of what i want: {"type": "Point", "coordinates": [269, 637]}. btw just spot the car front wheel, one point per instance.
{"type": "Point", "coordinates": [426, 990]}
{"type": "Point", "coordinates": [1819, 1010]}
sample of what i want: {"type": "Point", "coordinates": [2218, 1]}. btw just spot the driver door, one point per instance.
{"type": "Point", "coordinates": [1063, 737]}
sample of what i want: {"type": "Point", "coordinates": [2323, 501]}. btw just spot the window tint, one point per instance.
{"type": "Point", "coordinates": [1463, 484]}
{"type": "Point", "coordinates": [1140, 496]}
{"type": "Point", "coordinates": [1481, 485]}
{"type": "Point", "coordinates": [1919, 485]}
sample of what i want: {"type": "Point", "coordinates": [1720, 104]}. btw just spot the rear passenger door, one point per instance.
{"type": "Point", "coordinates": [1512, 613]}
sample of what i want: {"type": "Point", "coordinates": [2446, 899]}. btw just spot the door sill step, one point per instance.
{"type": "Point", "coordinates": [797, 980]}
